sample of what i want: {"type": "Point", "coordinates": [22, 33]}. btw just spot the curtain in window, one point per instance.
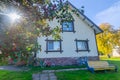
{"type": "Point", "coordinates": [53, 45]}
{"type": "Point", "coordinates": [56, 45]}
{"type": "Point", "coordinates": [82, 45]}
{"type": "Point", "coordinates": [50, 45]}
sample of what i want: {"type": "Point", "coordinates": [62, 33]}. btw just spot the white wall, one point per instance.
{"type": "Point", "coordinates": [115, 53]}
{"type": "Point", "coordinates": [83, 32]}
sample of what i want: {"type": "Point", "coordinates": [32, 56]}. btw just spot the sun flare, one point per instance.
{"type": "Point", "coordinates": [13, 16]}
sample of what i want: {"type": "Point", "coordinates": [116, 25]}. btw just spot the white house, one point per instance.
{"type": "Point", "coordinates": [116, 52]}
{"type": "Point", "coordinates": [78, 39]}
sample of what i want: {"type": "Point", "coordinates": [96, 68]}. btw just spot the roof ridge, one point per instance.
{"type": "Point", "coordinates": [100, 30]}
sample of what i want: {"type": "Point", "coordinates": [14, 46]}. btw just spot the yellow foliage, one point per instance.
{"type": "Point", "coordinates": [104, 40]}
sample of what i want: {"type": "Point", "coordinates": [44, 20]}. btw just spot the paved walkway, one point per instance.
{"type": "Point", "coordinates": [44, 76]}
{"type": "Point", "coordinates": [13, 68]}
{"type": "Point", "coordinates": [50, 74]}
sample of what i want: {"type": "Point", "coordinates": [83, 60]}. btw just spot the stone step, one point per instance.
{"type": "Point", "coordinates": [44, 76]}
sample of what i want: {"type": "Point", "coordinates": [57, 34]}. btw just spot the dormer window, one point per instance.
{"type": "Point", "coordinates": [67, 26]}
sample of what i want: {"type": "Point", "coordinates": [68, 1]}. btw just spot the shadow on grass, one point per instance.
{"type": "Point", "coordinates": [55, 68]}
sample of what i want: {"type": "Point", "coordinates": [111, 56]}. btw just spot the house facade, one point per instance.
{"type": "Point", "coordinates": [78, 39]}
{"type": "Point", "coordinates": [116, 52]}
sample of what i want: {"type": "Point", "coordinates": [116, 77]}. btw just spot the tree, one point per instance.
{"type": "Point", "coordinates": [105, 40]}
{"type": "Point", "coordinates": [19, 39]}
{"type": "Point", "coordinates": [116, 40]}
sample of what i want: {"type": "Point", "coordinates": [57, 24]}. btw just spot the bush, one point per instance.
{"type": "Point", "coordinates": [21, 63]}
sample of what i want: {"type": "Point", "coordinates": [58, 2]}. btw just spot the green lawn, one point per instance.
{"type": "Point", "coordinates": [71, 75]}
{"type": "Point", "coordinates": [10, 75]}
{"type": "Point", "coordinates": [13, 75]}
{"type": "Point", "coordinates": [86, 75]}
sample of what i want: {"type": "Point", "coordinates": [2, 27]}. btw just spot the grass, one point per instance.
{"type": "Point", "coordinates": [21, 75]}
{"type": "Point", "coordinates": [111, 59]}
{"type": "Point", "coordinates": [36, 69]}
{"type": "Point", "coordinates": [86, 75]}
{"type": "Point", "coordinates": [13, 75]}
{"type": "Point", "coordinates": [70, 75]}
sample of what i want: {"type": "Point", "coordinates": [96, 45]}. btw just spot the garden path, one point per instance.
{"type": "Point", "coordinates": [13, 68]}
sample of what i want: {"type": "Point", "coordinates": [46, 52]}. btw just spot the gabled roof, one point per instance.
{"type": "Point", "coordinates": [87, 20]}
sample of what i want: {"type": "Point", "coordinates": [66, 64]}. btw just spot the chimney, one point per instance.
{"type": "Point", "coordinates": [82, 10]}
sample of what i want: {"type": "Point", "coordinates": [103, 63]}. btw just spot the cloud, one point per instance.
{"type": "Point", "coordinates": [110, 15]}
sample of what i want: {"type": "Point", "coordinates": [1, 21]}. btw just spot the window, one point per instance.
{"type": "Point", "coordinates": [82, 45]}
{"type": "Point", "coordinates": [53, 46]}
{"type": "Point", "coordinates": [68, 26]}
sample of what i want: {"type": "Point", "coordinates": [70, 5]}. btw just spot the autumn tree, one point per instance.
{"type": "Point", "coordinates": [116, 40]}
{"type": "Point", "coordinates": [105, 40]}
{"type": "Point", "coordinates": [19, 39]}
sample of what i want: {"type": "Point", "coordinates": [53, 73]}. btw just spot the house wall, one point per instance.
{"type": "Point", "coordinates": [82, 32]}
{"type": "Point", "coordinates": [116, 53]}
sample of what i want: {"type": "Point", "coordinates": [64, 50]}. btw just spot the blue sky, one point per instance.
{"type": "Point", "coordinates": [101, 11]}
